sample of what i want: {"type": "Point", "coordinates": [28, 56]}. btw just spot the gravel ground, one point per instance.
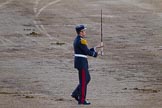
{"type": "Point", "coordinates": [36, 53]}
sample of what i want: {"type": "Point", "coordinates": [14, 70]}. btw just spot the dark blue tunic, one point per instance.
{"type": "Point", "coordinates": [80, 48]}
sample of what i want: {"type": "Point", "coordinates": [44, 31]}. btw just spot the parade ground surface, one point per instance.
{"type": "Point", "coordinates": [36, 53]}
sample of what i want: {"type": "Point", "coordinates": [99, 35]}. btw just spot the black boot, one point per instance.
{"type": "Point", "coordinates": [75, 97]}
{"type": "Point", "coordinates": [84, 103]}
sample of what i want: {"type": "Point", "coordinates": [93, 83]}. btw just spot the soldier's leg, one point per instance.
{"type": "Point", "coordinates": [88, 78]}
{"type": "Point", "coordinates": [83, 85]}
{"type": "Point", "coordinates": [76, 92]}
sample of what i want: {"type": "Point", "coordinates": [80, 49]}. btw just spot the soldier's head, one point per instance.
{"type": "Point", "coordinates": [80, 29]}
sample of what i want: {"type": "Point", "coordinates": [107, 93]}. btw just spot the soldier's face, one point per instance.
{"type": "Point", "coordinates": [83, 33]}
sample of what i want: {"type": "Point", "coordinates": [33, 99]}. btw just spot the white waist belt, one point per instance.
{"type": "Point", "coordinates": [80, 55]}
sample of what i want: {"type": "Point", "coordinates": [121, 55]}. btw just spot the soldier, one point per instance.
{"type": "Point", "coordinates": [81, 51]}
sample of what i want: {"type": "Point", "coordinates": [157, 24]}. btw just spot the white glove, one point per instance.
{"type": "Point", "coordinates": [100, 45]}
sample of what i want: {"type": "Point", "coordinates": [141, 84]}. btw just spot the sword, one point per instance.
{"type": "Point", "coordinates": [102, 53]}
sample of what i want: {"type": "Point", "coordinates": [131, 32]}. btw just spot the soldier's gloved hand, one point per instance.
{"type": "Point", "coordinates": [100, 45]}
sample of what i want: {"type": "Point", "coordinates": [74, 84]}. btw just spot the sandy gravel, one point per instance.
{"type": "Point", "coordinates": [36, 53]}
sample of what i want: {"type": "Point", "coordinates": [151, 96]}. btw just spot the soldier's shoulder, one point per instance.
{"type": "Point", "coordinates": [83, 41]}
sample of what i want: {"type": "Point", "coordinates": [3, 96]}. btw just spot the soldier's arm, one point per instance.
{"type": "Point", "coordinates": [87, 51]}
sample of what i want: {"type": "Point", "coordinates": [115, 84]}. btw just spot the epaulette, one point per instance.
{"type": "Point", "coordinates": [83, 41]}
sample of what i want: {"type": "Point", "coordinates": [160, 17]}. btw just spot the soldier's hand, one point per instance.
{"type": "Point", "coordinates": [100, 45]}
